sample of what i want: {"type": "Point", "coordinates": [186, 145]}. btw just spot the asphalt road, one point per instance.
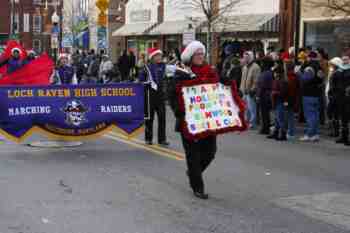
{"type": "Point", "coordinates": [109, 186]}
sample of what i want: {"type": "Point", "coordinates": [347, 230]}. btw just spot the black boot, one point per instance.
{"type": "Point", "coordinates": [282, 136]}
{"type": "Point", "coordinates": [331, 129]}
{"type": "Point", "coordinates": [264, 131]}
{"type": "Point", "coordinates": [201, 195]}
{"type": "Point", "coordinates": [336, 128]}
{"type": "Point", "coordinates": [274, 135]}
{"type": "Point", "coordinates": [344, 139]}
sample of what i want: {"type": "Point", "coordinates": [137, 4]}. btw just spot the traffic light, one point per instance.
{"type": "Point", "coordinates": [102, 19]}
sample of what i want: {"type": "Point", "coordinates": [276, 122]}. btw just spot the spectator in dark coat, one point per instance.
{"type": "Point", "coordinates": [333, 95]}
{"type": "Point", "coordinates": [279, 102]}
{"type": "Point", "coordinates": [264, 88]}
{"type": "Point", "coordinates": [132, 61]}
{"type": "Point", "coordinates": [124, 66]}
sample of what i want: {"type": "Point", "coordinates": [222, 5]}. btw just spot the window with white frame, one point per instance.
{"type": "Point", "coordinates": [37, 23]}
{"type": "Point", "coordinates": [37, 45]}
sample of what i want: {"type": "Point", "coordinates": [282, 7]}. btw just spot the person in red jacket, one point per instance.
{"type": "Point", "coordinates": [279, 96]}
{"type": "Point", "coordinates": [293, 96]}
{"type": "Point", "coordinates": [199, 153]}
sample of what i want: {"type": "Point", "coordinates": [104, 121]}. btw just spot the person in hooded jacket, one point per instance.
{"type": "Point", "coordinates": [199, 153]}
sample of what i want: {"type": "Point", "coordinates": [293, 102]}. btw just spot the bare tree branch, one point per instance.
{"type": "Point", "coordinates": [214, 16]}
{"type": "Point", "coordinates": [331, 7]}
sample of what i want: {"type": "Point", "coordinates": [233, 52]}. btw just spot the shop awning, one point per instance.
{"type": "Point", "coordinates": [133, 29]}
{"type": "Point", "coordinates": [172, 27]}
{"type": "Point", "coordinates": [245, 23]}
{"type": "Point", "coordinates": [272, 25]}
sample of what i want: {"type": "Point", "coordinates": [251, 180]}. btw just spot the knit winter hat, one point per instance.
{"type": "Point", "coordinates": [190, 50]}
{"type": "Point", "coordinates": [153, 51]}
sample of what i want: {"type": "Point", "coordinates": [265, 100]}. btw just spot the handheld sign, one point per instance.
{"type": "Point", "coordinates": [211, 109]}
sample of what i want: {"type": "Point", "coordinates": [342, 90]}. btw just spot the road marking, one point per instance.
{"type": "Point", "coordinates": [333, 208]}
{"type": "Point", "coordinates": [153, 148]}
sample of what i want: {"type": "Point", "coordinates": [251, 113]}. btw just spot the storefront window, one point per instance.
{"type": "Point", "coordinates": [334, 37]}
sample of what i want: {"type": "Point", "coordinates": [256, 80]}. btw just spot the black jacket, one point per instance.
{"type": "Point", "coordinates": [312, 80]}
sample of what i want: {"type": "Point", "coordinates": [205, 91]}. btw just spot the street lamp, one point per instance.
{"type": "Point", "coordinates": [14, 23]}
{"type": "Point", "coordinates": [55, 20]}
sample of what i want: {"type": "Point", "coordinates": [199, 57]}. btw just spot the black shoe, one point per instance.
{"type": "Point", "coordinates": [264, 132]}
{"type": "Point", "coordinates": [273, 136]}
{"type": "Point", "coordinates": [149, 142]}
{"type": "Point", "coordinates": [340, 141]}
{"type": "Point", "coordinates": [283, 137]}
{"type": "Point", "coordinates": [201, 195]}
{"type": "Point", "coordinates": [164, 143]}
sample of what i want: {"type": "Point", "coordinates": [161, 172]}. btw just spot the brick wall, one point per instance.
{"type": "Point", "coordinates": [5, 17]}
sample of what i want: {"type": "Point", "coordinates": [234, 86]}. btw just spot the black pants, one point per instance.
{"type": "Point", "coordinates": [199, 155]}
{"type": "Point", "coordinates": [156, 106]}
{"type": "Point", "coordinates": [344, 117]}
{"type": "Point", "coordinates": [265, 118]}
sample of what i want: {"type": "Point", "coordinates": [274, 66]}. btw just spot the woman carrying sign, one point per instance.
{"type": "Point", "coordinates": [199, 153]}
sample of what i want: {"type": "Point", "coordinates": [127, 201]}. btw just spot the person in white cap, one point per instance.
{"type": "Point", "coordinates": [154, 74]}
{"type": "Point", "coordinates": [199, 153]}
{"type": "Point", "coordinates": [15, 62]}
{"type": "Point", "coordinates": [332, 92]}
{"type": "Point", "coordinates": [250, 75]}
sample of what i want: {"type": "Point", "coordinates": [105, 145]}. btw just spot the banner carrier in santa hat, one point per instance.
{"type": "Point", "coordinates": [151, 53]}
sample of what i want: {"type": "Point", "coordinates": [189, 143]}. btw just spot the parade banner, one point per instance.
{"type": "Point", "coordinates": [70, 112]}
{"type": "Point", "coordinates": [211, 109]}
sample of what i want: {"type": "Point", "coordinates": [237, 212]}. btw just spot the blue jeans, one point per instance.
{"type": "Point", "coordinates": [311, 106]}
{"type": "Point", "coordinates": [291, 121]}
{"type": "Point", "coordinates": [280, 111]}
{"type": "Point", "coordinates": [251, 109]}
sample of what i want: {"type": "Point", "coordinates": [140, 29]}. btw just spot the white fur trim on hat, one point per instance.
{"type": "Point", "coordinates": [154, 53]}
{"type": "Point", "coordinates": [189, 51]}
{"type": "Point", "coordinates": [15, 49]}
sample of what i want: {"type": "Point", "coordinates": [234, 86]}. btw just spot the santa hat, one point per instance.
{"type": "Point", "coordinates": [189, 51]}
{"type": "Point", "coordinates": [31, 51]}
{"type": "Point", "coordinates": [153, 51]}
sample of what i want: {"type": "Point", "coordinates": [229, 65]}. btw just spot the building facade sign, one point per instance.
{"type": "Point", "coordinates": [140, 16]}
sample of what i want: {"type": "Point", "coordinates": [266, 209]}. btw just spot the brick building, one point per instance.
{"type": "Point", "coordinates": [30, 22]}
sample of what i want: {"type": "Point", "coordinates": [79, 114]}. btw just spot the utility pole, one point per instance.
{"type": "Point", "coordinates": [297, 15]}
